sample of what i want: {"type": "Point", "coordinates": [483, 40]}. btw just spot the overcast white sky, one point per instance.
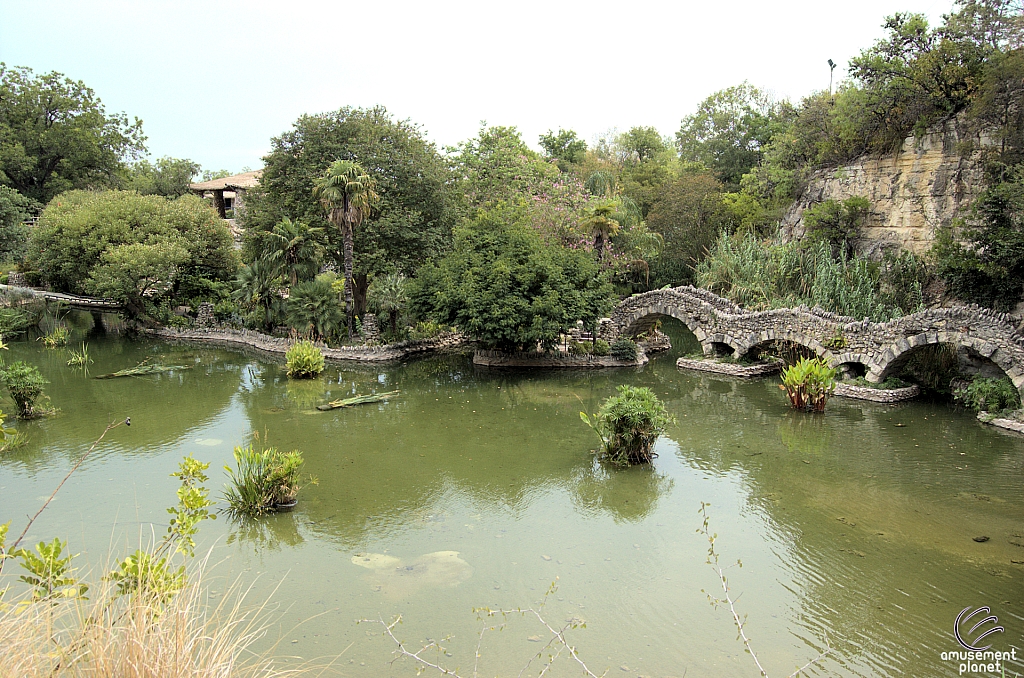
{"type": "Point", "coordinates": [214, 81]}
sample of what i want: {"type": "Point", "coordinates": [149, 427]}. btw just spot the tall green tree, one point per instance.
{"type": "Point", "coordinates": [348, 194]}
{"type": "Point", "coordinates": [114, 242]}
{"type": "Point", "coordinates": [56, 135]}
{"type": "Point", "coordinates": [507, 288]}
{"type": "Point", "coordinates": [420, 202]}
{"type": "Point", "coordinates": [497, 165]}
{"type": "Point", "coordinates": [728, 132]}
{"type": "Point", "coordinates": [169, 177]}
{"type": "Point", "coordinates": [14, 210]}
{"type": "Point", "coordinates": [689, 214]}
{"type": "Point", "coordinates": [565, 147]}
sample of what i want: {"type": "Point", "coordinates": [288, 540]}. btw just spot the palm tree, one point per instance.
{"type": "Point", "coordinates": [313, 309]}
{"type": "Point", "coordinates": [388, 298]}
{"type": "Point", "coordinates": [602, 225]}
{"type": "Point", "coordinates": [256, 290]}
{"type": "Point", "coordinates": [348, 194]}
{"type": "Point", "coordinates": [296, 248]}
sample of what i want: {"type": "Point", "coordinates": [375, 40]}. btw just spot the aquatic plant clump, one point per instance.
{"type": "Point", "coordinates": [264, 480]}
{"type": "Point", "coordinates": [809, 383]}
{"type": "Point", "coordinates": [629, 424]}
{"type": "Point", "coordinates": [304, 360]}
{"type": "Point", "coordinates": [25, 384]}
{"type": "Point", "coordinates": [56, 337]}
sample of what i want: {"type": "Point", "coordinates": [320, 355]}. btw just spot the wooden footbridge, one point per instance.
{"type": "Point", "coordinates": [70, 300]}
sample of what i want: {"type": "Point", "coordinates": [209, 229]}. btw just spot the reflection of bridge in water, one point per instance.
{"type": "Point", "coordinates": [70, 300]}
{"type": "Point", "coordinates": [874, 350]}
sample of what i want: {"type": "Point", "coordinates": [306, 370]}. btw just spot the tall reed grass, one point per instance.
{"type": "Point", "coordinates": [761, 275]}
{"type": "Point", "coordinates": [109, 636]}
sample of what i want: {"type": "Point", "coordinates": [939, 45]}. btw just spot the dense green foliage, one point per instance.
{"type": "Point", "coordinates": [264, 479]}
{"type": "Point", "coordinates": [989, 394]}
{"type": "Point", "coordinates": [508, 289]}
{"type": "Point", "coordinates": [629, 424]}
{"type": "Point", "coordinates": [809, 383]}
{"type": "Point", "coordinates": [728, 132]}
{"type": "Point", "coordinates": [55, 135]}
{"type": "Point", "coordinates": [304, 360]}
{"type": "Point", "coordinates": [136, 249]}
{"type": "Point", "coordinates": [982, 260]}
{"type": "Point", "coordinates": [313, 309]}
{"type": "Point", "coordinates": [14, 210]}
{"type": "Point", "coordinates": [418, 207]}
{"type": "Point", "coordinates": [169, 177]}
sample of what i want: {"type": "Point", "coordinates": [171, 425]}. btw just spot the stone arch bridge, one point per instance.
{"type": "Point", "coordinates": [874, 350]}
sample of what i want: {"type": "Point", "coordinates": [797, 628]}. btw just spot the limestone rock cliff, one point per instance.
{"type": "Point", "coordinates": [927, 184]}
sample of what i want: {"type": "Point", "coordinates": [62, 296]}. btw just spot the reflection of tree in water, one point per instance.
{"type": "Point", "coordinates": [863, 503]}
{"type": "Point", "coordinates": [628, 494]}
{"type": "Point", "coordinates": [163, 407]}
{"type": "Point", "coordinates": [495, 438]}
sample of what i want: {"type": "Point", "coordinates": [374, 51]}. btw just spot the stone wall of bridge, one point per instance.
{"type": "Point", "coordinates": [879, 348]}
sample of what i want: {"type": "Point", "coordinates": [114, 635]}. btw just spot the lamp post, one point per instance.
{"type": "Point", "coordinates": [831, 68]}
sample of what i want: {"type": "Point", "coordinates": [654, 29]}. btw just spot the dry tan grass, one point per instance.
{"type": "Point", "coordinates": [191, 637]}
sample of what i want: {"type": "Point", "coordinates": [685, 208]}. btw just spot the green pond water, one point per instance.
{"type": "Point", "coordinates": [479, 488]}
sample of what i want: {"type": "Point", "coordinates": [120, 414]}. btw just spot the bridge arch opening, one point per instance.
{"type": "Point", "coordinates": [937, 367]}
{"type": "Point", "coordinates": [683, 339]}
{"type": "Point", "coordinates": [786, 350]}
{"type": "Point", "coordinates": [851, 370]}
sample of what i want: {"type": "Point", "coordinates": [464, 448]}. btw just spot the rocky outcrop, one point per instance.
{"type": "Point", "coordinates": [926, 185]}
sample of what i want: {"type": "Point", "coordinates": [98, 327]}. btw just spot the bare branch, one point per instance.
{"type": "Point", "coordinates": [14, 546]}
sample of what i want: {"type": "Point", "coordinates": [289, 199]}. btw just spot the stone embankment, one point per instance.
{"type": "Point", "coordinates": [878, 395]}
{"type": "Point", "coordinates": [486, 358]}
{"type": "Point", "coordinates": [279, 345]}
{"type": "Point", "coordinates": [732, 369]}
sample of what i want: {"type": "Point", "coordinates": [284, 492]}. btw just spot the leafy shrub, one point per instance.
{"type": "Point", "coordinates": [989, 394]}
{"type": "Point", "coordinates": [580, 348]}
{"type": "Point", "coordinates": [304, 360]}
{"type": "Point", "coordinates": [25, 385]}
{"type": "Point", "coordinates": [809, 383]}
{"type": "Point", "coordinates": [629, 424]}
{"type": "Point", "coordinates": [601, 347]}
{"type": "Point", "coordinates": [130, 247]}
{"type": "Point", "coordinates": [623, 349]}
{"type": "Point", "coordinates": [264, 480]}
{"type": "Point", "coordinates": [837, 223]}
{"type": "Point", "coordinates": [428, 329]}
{"type": "Point", "coordinates": [14, 321]}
